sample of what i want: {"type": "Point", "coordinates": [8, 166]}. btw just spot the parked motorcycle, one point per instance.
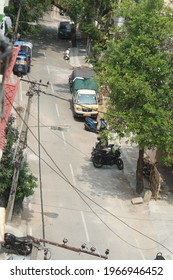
{"type": "Point", "coordinates": [146, 168]}
{"type": "Point", "coordinates": [67, 54]}
{"type": "Point", "coordinates": [92, 125]}
{"type": "Point", "coordinates": [20, 245]}
{"type": "Point", "coordinates": [101, 143]}
{"type": "Point", "coordinates": [108, 156]}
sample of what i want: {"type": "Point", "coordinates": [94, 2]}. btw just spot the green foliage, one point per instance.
{"type": "Point", "coordinates": [74, 8]}
{"type": "Point", "coordinates": [92, 16]}
{"type": "Point", "coordinates": [6, 164]}
{"type": "Point", "coordinates": [31, 11]}
{"type": "Point", "coordinates": [31, 30]}
{"type": "Point", "coordinates": [138, 68]}
{"type": "Point", "coordinates": [26, 182]}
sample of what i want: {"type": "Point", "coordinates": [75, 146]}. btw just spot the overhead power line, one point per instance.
{"type": "Point", "coordinates": [80, 192]}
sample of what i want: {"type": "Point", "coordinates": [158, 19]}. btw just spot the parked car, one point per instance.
{"type": "Point", "coordinates": [65, 30]}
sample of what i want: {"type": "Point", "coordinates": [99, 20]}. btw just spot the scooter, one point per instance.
{"type": "Point", "coordinates": [67, 54]}
{"type": "Point", "coordinates": [92, 125]}
{"type": "Point", "coordinates": [19, 245]}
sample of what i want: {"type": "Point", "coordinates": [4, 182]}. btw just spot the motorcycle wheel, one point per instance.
{"type": "Point", "coordinates": [7, 246]}
{"type": "Point", "coordinates": [120, 164]}
{"type": "Point", "coordinates": [25, 251]}
{"type": "Point", "coordinates": [86, 127]}
{"type": "Point", "coordinates": [97, 162]}
{"type": "Point", "coordinates": [66, 57]}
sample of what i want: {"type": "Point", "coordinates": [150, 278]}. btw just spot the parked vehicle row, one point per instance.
{"type": "Point", "coordinates": [84, 88]}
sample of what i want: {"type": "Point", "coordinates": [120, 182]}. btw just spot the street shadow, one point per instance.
{"type": "Point", "coordinates": [108, 181]}
{"type": "Point", "coordinates": [47, 38]}
{"type": "Point", "coordinates": [114, 184]}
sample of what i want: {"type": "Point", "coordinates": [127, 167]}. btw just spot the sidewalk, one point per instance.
{"type": "Point", "coordinates": [78, 57]}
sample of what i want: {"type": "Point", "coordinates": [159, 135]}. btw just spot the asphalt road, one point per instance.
{"type": "Point", "coordinates": [81, 203]}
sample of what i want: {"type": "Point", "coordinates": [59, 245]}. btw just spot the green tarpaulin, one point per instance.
{"type": "Point", "coordinates": [80, 83]}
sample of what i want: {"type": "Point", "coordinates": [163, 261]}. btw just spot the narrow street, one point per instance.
{"type": "Point", "coordinates": [79, 202]}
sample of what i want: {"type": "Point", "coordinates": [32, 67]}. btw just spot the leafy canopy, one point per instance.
{"type": "Point", "coordinates": [138, 68]}
{"type": "Point", "coordinates": [91, 15]}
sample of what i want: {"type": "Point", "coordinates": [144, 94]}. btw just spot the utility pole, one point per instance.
{"type": "Point", "coordinates": [17, 19]}
{"type": "Point", "coordinates": [18, 162]}
{"type": "Point", "coordinates": [34, 89]}
{"type": "Point", "coordinates": [83, 249]}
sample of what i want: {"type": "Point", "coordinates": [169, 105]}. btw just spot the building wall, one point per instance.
{"type": "Point", "coordinates": [6, 2]}
{"type": "Point", "coordinates": [168, 2]}
{"type": "Point", "coordinates": [2, 3]}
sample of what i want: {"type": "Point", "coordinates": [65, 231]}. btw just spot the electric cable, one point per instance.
{"type": "Point", "coordinates": [49, 127]}
{"type": "Point", "coordinates": [40, 177]}
{"type": "Point", "coordinates": [80, 192]}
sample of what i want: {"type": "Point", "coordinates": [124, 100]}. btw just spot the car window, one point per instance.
{"type": "Point", "coordinates": [66, 26]}
{"type": "Point", "coordinates": [88, 99]}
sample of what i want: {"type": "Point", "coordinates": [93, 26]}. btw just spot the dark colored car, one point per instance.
{"type": "Point", "coordinates": [65, 30]}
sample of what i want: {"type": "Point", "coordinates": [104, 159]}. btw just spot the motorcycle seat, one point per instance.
{"type": "Point", "coordinates": [22, 239]}
{"type": "Point", "coordinates": [104, 151]}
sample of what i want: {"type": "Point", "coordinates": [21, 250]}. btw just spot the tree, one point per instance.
{"type": "Point", "coordinates": [31, 11]}
{"type": "Point", "coordinates": [137, 65]}
{"type": "Point", "coordinates": [27, 182]}
{"type": "Point", "coordinates": [6, 164]}
{"type": "Point", "coordinates": [92, 16]}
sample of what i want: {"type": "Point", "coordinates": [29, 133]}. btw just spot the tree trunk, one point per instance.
{"type": "Point", "coordinates": [139, 172]}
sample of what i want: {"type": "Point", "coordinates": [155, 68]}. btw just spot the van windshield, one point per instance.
{"type": "Point", "coordinates": [87, 99]}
